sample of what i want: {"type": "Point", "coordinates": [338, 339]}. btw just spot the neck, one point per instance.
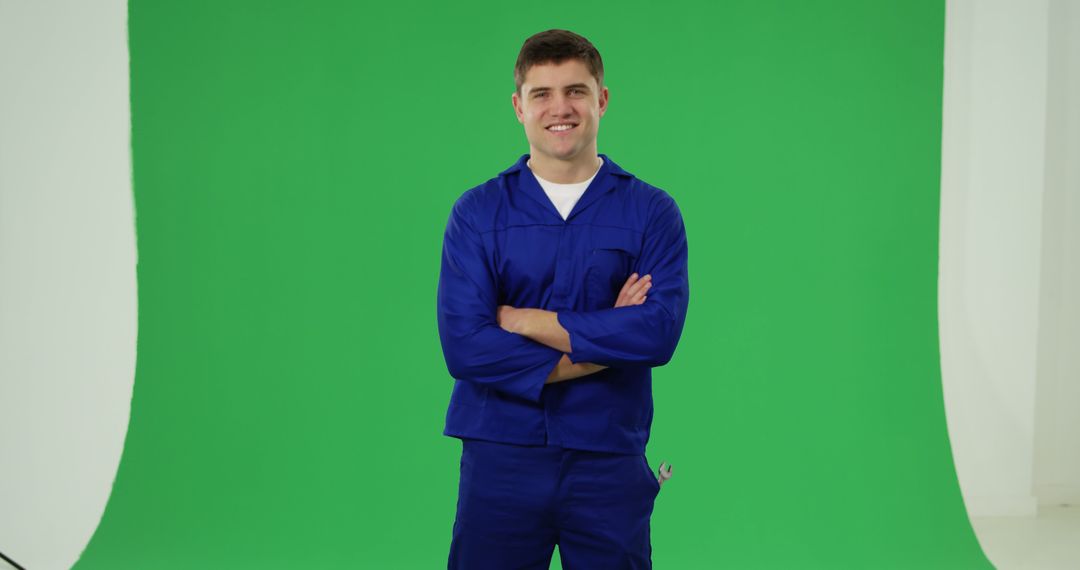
{"type": "Point", "coordinates": [577, 169]}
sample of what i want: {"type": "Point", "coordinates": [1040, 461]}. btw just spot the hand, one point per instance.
{"type": "Point", "coordinates": [664, 475]}
{"type": "Point", "coordinates": [633, 291]}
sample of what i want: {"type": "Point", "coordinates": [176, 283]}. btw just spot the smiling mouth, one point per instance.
{"type": "Point", "coordinates": [561, 127]}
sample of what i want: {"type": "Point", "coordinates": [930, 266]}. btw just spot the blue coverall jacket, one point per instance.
{"type": "Point", "coordinates": [506, 244]}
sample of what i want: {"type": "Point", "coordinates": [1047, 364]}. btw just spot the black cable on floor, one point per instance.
{"type": "Point", "coordinates": [10, 561]}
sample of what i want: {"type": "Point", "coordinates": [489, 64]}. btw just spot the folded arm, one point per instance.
{"type": "Point", "coordinates": [476, 347]}
{"type": "Point", "coordinates": [640, 335]}
{"type": "Point", "coordinates": [543, 326]}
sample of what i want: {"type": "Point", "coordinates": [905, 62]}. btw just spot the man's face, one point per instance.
{"type": "Point", "coordinates": [560, 95]}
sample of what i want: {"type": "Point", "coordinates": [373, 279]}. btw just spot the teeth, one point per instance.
{"type": "Point", "coordinates": [560, 127]}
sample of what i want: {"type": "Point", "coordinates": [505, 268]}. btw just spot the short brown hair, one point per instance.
{"type": "Point", "coordinates": [557, 46]}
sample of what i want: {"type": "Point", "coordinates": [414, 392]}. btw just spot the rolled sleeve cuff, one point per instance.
{"type": "Point", "coordinates": [531, 385]}
{"type": "Point", "coordinates": [582, 349]}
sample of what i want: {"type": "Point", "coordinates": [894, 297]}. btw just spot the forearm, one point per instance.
{"type": "Point", "coordinates": [543, 327]}
{"type": "Point", "coordinates": [566, 370]}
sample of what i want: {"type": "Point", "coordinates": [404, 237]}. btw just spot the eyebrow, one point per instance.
{"type": "Point", "coordinates": [579, 85]}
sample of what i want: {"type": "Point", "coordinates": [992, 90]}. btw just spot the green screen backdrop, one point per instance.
{"type": "Point", "coordinates": [294, 167]}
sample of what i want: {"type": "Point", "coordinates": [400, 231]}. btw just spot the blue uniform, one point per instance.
{"type": "Point", "coordinates": [506, 244]}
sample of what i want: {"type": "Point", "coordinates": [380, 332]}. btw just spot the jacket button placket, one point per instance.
{"type": "Point", "coordinates": [564, 270]}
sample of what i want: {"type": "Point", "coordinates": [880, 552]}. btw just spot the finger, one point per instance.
{"type": "Point", "coordinates": [638, 286]}
{"type": "Point", "coordinates": [638, 295]}
{"type": "Point", "coordinates": [629, 282]}
{"type": "Point", "coordinates": [633, 290]}
{"type": "Point", "coordinates": [624, 294]}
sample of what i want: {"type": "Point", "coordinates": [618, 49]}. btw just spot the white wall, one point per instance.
{"type": "Point", "coordinates": [67, 272]}
{"type": "Point", "coordinates": [1057, 417]}
{"type": "Point", "coordinates": [991, 208]}
{"type": "Point", "coordinates": [1008, 252]}
{"type": "Point", "coordinates": [1010, 262]}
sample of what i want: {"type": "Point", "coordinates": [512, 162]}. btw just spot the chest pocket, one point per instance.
{"type": "Point", "coordinates": [611, 258]}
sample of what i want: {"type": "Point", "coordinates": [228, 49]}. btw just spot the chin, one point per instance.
{"type": "Point", "coordinates": [564, 155]}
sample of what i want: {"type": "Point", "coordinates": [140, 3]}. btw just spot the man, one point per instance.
{"type": "Point", "coordinates": [563, 283]}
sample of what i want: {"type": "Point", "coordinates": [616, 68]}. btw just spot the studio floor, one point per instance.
{"type": "Point", "coordinates": [1050, 541]}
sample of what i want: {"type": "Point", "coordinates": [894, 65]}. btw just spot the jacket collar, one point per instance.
{"type": "Point", "coordinates": [606, 179]}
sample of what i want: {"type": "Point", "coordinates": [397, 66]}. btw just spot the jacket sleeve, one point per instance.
{"type": "Point", "coordinates": [645, 334]}
{"type": "Point", "coordinates": [475, 347]}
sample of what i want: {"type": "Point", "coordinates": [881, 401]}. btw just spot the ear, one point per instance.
{"type": "Point", "coordinates": [603, 100]}
{"type": "Point", "coordinates": [516, 101]}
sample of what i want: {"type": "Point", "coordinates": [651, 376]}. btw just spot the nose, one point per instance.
{"type": "Point", "coordinates": [561, 106]}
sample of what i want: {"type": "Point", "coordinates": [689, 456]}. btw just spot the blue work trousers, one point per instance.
{"type": "Point", "coordinates": [516, 502]}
